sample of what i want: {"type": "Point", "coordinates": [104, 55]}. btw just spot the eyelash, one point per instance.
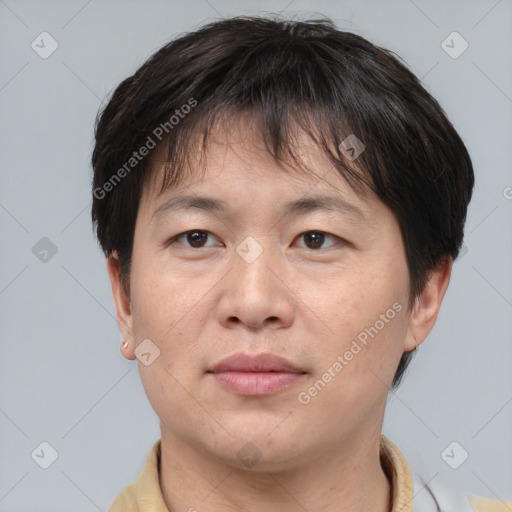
{"type": "Point", "coordinates": [177, 237]}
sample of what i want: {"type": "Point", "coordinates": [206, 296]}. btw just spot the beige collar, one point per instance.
{"type": "Point", "coordinates": [145, 495]}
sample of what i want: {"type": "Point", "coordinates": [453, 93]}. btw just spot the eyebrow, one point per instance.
{"type": "Point", "coordinates": [297, 207]}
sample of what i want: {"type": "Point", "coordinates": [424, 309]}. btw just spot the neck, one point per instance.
{"type": "Point", "coordinates": [340, 479]}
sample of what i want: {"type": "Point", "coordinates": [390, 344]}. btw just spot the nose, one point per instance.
{"type": "Point", "coordinates": [256, 293]}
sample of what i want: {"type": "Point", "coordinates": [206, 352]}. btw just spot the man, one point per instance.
{"type": "Point", "coordinates": [280, 204]}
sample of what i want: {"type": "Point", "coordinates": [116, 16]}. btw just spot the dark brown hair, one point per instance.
{"type": "Point", "coordinates": [288, 74]}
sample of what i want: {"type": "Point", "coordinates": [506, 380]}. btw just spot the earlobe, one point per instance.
{"type": "Point", "coordinates": [427, 305]}
{"type": "Point", "coordinates": [122, 304]}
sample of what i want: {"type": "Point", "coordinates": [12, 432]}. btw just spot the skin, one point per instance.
{"type": "Point", "coordinates": [302, 301]}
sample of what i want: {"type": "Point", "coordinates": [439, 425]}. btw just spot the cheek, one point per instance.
{"type": "Point", "coordinates": [161, 300]}
{"type": "Point", "coordinates": [362, 314]}
{"type": "Point", "coordinates": [351, 300]}
{"type": "Point", "coordinates": [357, 364]}
{"type": "Point", "coordinates": [169, 310]}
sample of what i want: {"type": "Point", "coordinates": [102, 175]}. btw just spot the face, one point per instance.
{"type": "Point", "coordinates": [324, 287]}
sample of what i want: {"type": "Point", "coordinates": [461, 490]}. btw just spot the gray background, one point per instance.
{"type": "Point", "coordinates": [62, 378]}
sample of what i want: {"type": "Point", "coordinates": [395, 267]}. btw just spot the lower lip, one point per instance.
{"type": "Point", "coordinates": [256, 383]}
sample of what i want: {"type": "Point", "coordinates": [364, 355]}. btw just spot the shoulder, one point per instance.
{"type": "Point", "coordinates": [125, 501]}
{"type": "Point", "coordinates": [438, 495]}
{"type": "Point", "coordinates": [145, 493]}
{"type": "Point", "coordinates": [482, 504]}
{"type": "Point", "coordinates": [433, 494]}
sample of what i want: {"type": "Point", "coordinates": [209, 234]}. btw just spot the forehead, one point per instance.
{"type": "Point", "coordinates": [236, 156]}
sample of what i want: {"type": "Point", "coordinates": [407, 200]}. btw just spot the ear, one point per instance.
{"type": "Point", "coordinates": [122, 303]}
{"type": "Point", "coordinates": [427, 305]}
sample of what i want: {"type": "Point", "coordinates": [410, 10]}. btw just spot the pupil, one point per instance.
{"type": "Point", "coordinates": [317, 239]}
{"type": "Point", "coordinates": [195, 238]}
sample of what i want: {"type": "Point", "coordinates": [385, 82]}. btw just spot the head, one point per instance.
{"type": "Point", "coordinates": [258, 113]}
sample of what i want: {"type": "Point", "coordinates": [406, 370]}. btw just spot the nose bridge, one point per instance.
{"type": "Point", "coordinates": [253, 292]}
{"type": "Point", "coordinates": [252, 259]}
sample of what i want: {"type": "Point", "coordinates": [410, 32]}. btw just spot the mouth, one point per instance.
{"type": "Point", "coordinates": [255, 374]}
{"type": "Point", "coordinates": [262, 362]}
{"type": "Point", "coordinates": [256, 383]}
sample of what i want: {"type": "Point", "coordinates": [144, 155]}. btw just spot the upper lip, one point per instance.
{"type": "Point", "coordinates": [263, 362]}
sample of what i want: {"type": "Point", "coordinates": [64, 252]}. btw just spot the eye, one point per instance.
{"type": "Point", "coordinates": [195, 237]}
{"type": "Point", "coordinates": [315, 239]}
